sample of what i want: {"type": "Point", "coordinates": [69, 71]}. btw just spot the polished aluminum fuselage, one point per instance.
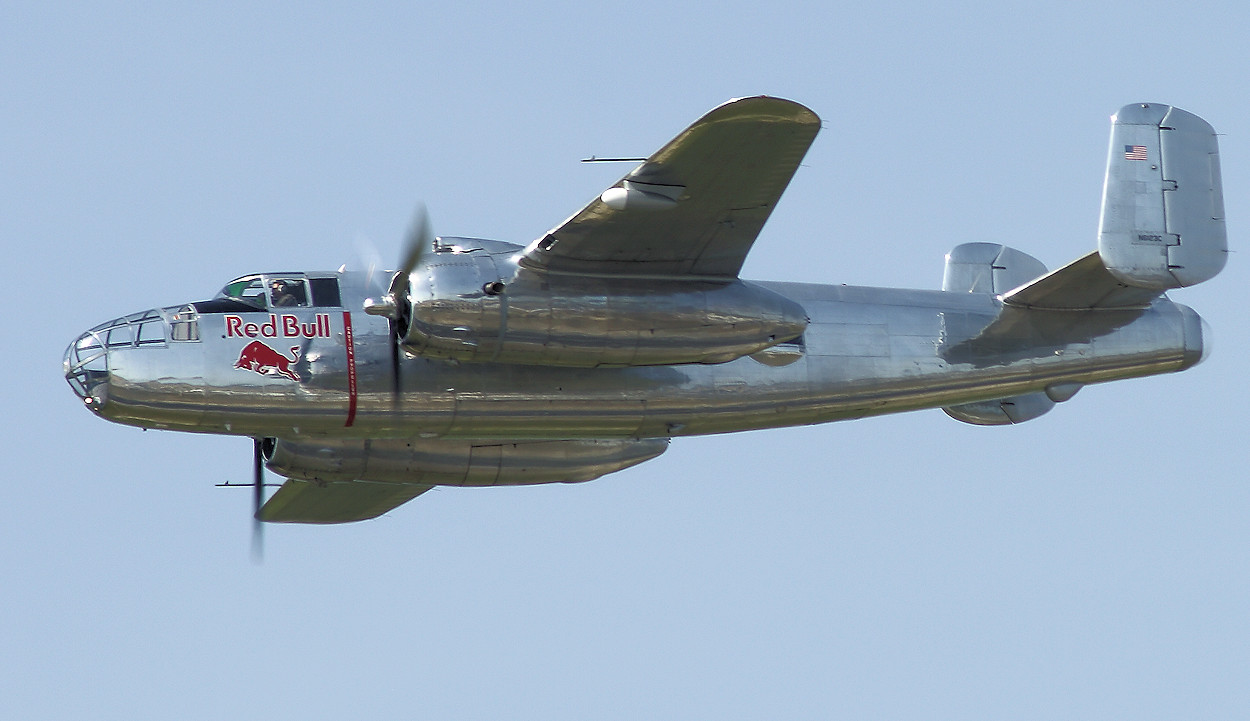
{"type": "Point", "coordinates": [583, 353]}
{"type": "Point", "coordinates": [866, 351]}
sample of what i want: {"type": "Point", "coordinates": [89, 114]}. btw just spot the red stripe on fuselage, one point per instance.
{"type": "Point", "coordinates": [351, 369]}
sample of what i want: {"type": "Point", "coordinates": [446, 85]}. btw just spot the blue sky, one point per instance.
{"type": "Point", "coordinates": [1089, 564]}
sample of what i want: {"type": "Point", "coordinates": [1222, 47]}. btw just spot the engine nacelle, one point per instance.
{"type": "Point", "coordinates": [1017, 409]}
{"type": "Point", "coordinates": [1002, 412]}
{"type": "Point", "coordinates": [458, 463]}
{"type": "Point", "coordinates": [476, 307]}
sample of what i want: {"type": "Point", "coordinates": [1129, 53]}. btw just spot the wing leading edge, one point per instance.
{"type": "Point", "coordinates": [695, 206]}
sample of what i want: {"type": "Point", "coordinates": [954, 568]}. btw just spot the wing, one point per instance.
{"type": "Point", "coordinates": [694, 207]}
{"type": "Point", "coordinates": [336, 501]}
{"type": "Point", "coordinates": [389, 472]}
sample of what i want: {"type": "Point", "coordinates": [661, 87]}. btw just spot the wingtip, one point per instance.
{"type": "Point", "coordinates": [764, 106]}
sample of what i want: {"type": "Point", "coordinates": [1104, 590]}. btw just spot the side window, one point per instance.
{"type": "Point", "coordinates": [184, 325]}
{"type": "Point", "coordinates": [120, 337]}
{"type": "Point", "coordinates": [152, 332]}
{"type": "Point", "coordinates": [325, 292]}
{"type": "Point", "coordinates": [287, 293]}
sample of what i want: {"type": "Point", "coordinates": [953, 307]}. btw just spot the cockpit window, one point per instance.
{"type": "Point", "coordinates": [287, 290]}
{"type": "Point", "coordinates": [287, 293]}
{"type": "Point", "coordinates": [325, 292]}
{"type": "Point", "coordinates": [249, 289]}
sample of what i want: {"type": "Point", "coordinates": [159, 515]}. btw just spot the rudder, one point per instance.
{"type": "Point", "coordinates": [1162, 223]}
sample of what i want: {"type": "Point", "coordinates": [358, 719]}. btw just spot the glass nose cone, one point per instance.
{"type": "Point", "coordinates": [86, 368]}
{"type": "Point", "coordinates": [87, 358]}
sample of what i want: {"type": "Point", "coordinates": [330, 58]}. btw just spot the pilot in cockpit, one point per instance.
{"type": "Point", "coordinates": [286, 293]}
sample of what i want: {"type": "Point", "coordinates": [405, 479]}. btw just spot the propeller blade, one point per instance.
{"type": "Point", "coordinates": [417, 245]}
{"type": "Point", "coordinates": [395, 389]}
{"type": "Point", "coordinates": [370, 261]}
{"type": "Point", "coordinates": [419, 242]}
{"type": "Point", "coordinates": [395, 304]}
{"type": "Point", "coordinates": [258, 500]}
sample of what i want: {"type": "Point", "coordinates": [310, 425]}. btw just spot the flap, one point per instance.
{"type": "Point", "coordinates": [1083, 284]}
{"type": "Point", "coordinates": [300, 501]}
{"type": "Point", "coordinates": [695, 206]}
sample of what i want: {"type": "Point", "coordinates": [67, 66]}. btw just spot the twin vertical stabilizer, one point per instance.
{"type": "Point", "coordinates": [1162, 223]}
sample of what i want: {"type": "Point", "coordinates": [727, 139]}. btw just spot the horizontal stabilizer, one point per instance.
{"type": "Point", "coordinates": [336, 501]}
{"type": "Point", "coordinates": [1083, 284]}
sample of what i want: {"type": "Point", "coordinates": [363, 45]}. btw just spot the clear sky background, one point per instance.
{"type": "Point", "coordinates": [1090, 564]}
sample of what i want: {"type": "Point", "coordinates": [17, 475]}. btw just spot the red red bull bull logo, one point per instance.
{"type": "Point", "coordinates": [260, 358]}
{"type": "Point", "coordinates": [278, 326]}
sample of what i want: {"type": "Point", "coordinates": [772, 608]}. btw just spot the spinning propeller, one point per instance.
{"type": "Point", "coordinates": [258, 495]}
{"type": "Point", "coordinates": [395, 305]}
{"type": "Point", "coordinates": [258, 499]}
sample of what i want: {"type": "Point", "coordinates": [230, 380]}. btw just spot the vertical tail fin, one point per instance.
{"type": "Point", "coordinates": [1162, 222]}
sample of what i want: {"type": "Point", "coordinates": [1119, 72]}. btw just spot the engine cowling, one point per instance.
{"type": "Point", "coordinates": [477, 307]}
{"type": "Point", "coordinates": [1016, 409]}
{"type": "Point", "coordinates": [458, 463]}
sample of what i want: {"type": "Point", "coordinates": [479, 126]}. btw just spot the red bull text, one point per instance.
{"type": "Point", "coordinates": [278, 326]}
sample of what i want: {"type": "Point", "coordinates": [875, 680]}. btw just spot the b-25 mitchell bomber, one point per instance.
{"type": "Point", "coordinates": [482, 363]}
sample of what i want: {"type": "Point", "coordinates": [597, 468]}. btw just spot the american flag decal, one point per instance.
{"type": "Point", "coordinates": [1134, 152]}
